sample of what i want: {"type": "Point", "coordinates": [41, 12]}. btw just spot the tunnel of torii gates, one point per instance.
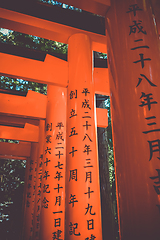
{"type": "Point", "coordinates": [57, 132]}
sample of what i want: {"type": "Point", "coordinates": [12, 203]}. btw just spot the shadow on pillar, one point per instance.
{"type": "Point", "coordinates": [108, 195]}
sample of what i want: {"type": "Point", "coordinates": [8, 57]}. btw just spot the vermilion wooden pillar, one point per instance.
{"type": "Point", "coordinates": [134, 58]}
{"type": "Point", "coordinates": [38, 185]}
{"type": "Point", "coordinates": [30, 194]}
{"type": "Point", "coordinates": [83, 210]}
{"type": "Point", "coordinates": [52, 215]}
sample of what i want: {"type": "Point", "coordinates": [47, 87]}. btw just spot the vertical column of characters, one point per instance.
{"type": "Point", "coordinates": [30, 194]}
{"type": "Point", "coordinates": [53, 174]}
{"type": "Point", "coordinates": [133, 70]}
{"type": "Point", "coordinates": [147, 95]}
{"type": "Point", "coordinates": [37, 209]}
{"type": "Point", "coordinates": [83, 208]}
{"type": "Point", "coordinates": [90, 157]}
{"type": "Point", "coordinates": [59, 176]}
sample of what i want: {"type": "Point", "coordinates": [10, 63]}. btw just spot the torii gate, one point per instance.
{"type": "Point", "coordinates": [29, 114]}
{"type": "Point", "coordinates": [133, 58]}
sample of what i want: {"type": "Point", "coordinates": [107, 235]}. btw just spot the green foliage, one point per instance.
{"type": "Point", "coordinates": [109, 128]}
{"type": "Point", "coordinates": [59, 4]}
{"type": "Point", "coordinates": [12, 174]}
{"type": "Point", "coordinates": [32, 42]}
{"type": "Point", "coordinates": [103, 55]}
{"type": "Point", "coordinates": [21, 85]}
{"type": "Point", "coordinates": [110, 144]}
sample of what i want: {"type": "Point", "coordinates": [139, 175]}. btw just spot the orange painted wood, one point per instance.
{"type": "Point", "coordinates": [83, 207]}
{"type": "Point", "coordinates": [52, 217]}
{"type": "Point", "coordinates": [29, 133]}
{"type": "Point", "coordinates": [101, 81]}
{"type": "Point", "coordinates": [21, 149]}
{"type": "Point", "coordinates": [33, 105]}
{"type": "Point", "coordinates": [104, 2]}
{"type": "Point", "coordinates": [12, 157]}
{"type": "Point", "coordinates": [136, 123]}
{"type": "Point", "coordinates": [15, 121]}
{"type": "Point", "coordinates": [38, 186]}
{"type": "Point", "coordinates": [49, 71]}
{"type": "Point", "coordinates": [102, 117]}
{"type": "Point", "coordinates": [46, 29]}
{"type": "Point", "coordinates": [43, 72]}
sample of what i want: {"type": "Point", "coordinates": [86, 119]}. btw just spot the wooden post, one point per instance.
{"type": "Point", "coordinates": [133, 57]}
{"type": "Point", "coordinates": [52, 215]}
{"type": "Point", "coordinates": [83, 210]}
{"type": "Point", "coordinates": [38, 187]}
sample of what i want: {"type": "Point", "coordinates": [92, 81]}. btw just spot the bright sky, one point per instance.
{"type": "Point", "coordinates": [5, 31]}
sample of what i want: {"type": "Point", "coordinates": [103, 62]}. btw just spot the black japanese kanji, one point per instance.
{"type": "Point", "coordinates": [60, 125]}
{"type": "Point", "coordinates": [58, 187]}
{"type": "Point", "coordinates": [134, 8]}
{"type": "Point", "coordinates": [73, 132]}
{"type": "Point", "coordinates": [89, 209]}
{"type": "Point", "coordinates": [85, 104]}
{"type": "Point", "coordinates": [140, 80]}
{"type": "Point", "coordinates": [72, 113]}
{"type": "Point", "coordinates": [87, 125]}
{"type": "Point", "coordinates": [45, 187]}
{"type": "Point", "coordinates": [59, 165]}
{"type": "Point", "coordinates": [85, 91]}
{"type": "Point", "coordinates": [90, 224]}
{"type": "Point", "coordinates": [147, 100]}
{"type": "Point", "coordinates": [47, 150]}
{"type": "Point", "coordinates": [73, 94]}
{"type": "Point", "coordinates": [72, 229]}
{"type": "Point", "coordinates": [57, 222]}
{"type": "Point", "coordinates": [135, 26]}
{"type": "Point", "coordinates": [58, 200]}
{"type": "Point", "coordinates": [89, 192]}
{"type": "Point", "coordinates": [73, 175]}
{"type": "Point", "coordinates": [48, 139]}
{"type": "Point", "coordinates": [87, 149]}
{"type": "Point", "coordinates": [73, 151]}
{"type": "Point", "coordinates": [89, 176]}
{"type": "Point", "coordinates": [49, 127]}
{"type": "Point", "coordinates": [46, 175]}
{"type": "Point", "coordinates": [47, 161]}
{"type": "Point", "coordinates": [59, 136]}
{"type": "Point", "coordinates": [154, 146]}
{"type": "Point", "coordinates": [58, 175]}
{"type": "Point", "coordinates": [45, 202]}
{"type": "Point", "coordinates": [57, 235]}
{"type": "Point", "coordinates": [59, 154]}
{"type": "Point", "coordinates": [72, 200]}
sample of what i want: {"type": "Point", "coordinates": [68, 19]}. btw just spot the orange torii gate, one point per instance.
{"type": "Point", "coordinates": [22, 118]}
{"type": "Point", "coordinates": [21, 121]}
{"type": "Point", "coordinates": [133, 56]}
